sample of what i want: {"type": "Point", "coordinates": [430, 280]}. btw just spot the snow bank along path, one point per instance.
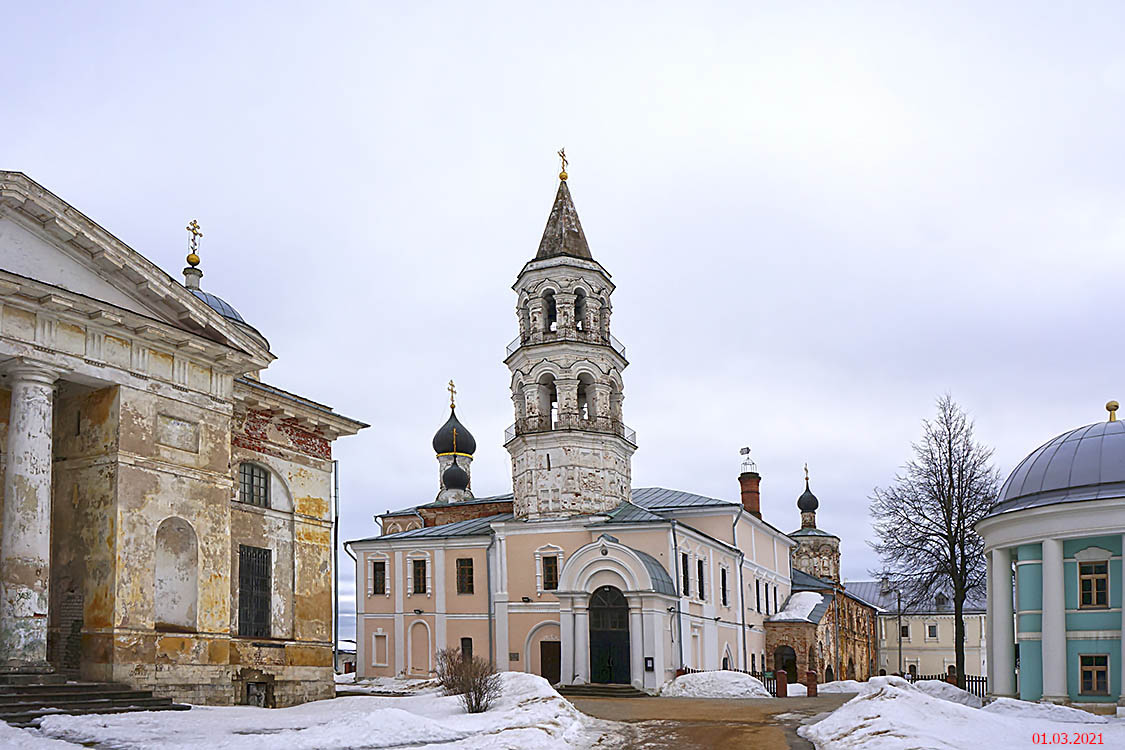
{"type": "Point", "coordinates": [720, 684]}
{"type": "Point", "coordinates": [892, 714]}
{"type": "Point", "coordinates": [529, 714]}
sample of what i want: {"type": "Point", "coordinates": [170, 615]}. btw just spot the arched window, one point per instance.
{"type": "Point", "coordinates": [253, 484]}
{"type": "Point", "coordinates": [548, 402]}
{"type": "Point", "coordinates": [580, 310]}
{"type": "Point", "coordinates": [175, 581]}
{"type": "Point", "coordinates": [587, 406]}
{"type": "Point", "coordinates": [550, 312]}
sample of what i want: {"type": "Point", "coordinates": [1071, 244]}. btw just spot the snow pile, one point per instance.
{"type": "Point", "coordinates": [720, 684]}
{"type": "Point", "coordinates": [528, 714]}
{"type": "Point", "coordinates": [10, 737]}
{"type": "Point", "coordinates": [1044, 712]}
{"type": "Point", "coordinates": [796, 690]}
{"type": "Point", "coordinates": [345, 678]}
{"type": "Point", "coordinates": [841, 686]}
{"type": "Point", "coordinates": [798, 607]}
{"type": "Point", "coordinates": [891, 714]}
{"type": "Point", "coordinates": [388, 686]}
{"type": "Point", "coordinates": [947, 692]}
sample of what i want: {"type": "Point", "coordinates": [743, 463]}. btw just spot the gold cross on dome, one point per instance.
{"type": "Point", "coordinates": [806, 472]}
{"type": "Point", "coordinates": [193, 229]}
{"type": "Point", "coordinates": [452, 392]}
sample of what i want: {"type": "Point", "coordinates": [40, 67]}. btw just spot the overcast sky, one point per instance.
{"type": "Point", "coordinates": [819, 219]}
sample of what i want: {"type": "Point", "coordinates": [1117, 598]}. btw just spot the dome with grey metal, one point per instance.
{"type": "Point", "coordinates": [454, 437]}
{"type": "Point", "coordinates": [455, 478]}
{"type": "Point", "coordinates": [219, 305]}
{"type": "Point", "coordinates": [807, 502]}
{"type": "Point", "coordinates": [1084, 464]}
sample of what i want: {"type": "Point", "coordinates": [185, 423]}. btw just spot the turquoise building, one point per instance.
{"type": "Point", "coordinates": [1055, 584]}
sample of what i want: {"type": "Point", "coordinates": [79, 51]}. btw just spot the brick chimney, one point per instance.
{"type": "Point", "coordinates": [751, 497]}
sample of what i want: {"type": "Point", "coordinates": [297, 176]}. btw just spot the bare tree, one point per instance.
{"type": "Point", "coordinates": [924, 520]}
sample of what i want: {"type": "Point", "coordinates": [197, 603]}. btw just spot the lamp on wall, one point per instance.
{"type": "Point", "coordinates": [525, 599]}
{"type": "Point", "coordinates": [417, 611]}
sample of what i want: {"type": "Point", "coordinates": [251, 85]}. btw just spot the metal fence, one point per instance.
{"type": "Point", "coordinates": [975, 684]}
{"type": "Point", "coordinates": [766, 678]}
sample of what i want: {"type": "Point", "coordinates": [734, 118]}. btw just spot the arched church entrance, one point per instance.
{"type": "Point", "coordinates": [786, 658]}
{"type": "Point", "coordinates": [609, 636]}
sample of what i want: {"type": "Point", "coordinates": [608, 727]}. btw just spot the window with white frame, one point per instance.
{"type": "Point", "coordinates": [723, 593]}
{"type": "Point", "coordinates": [931, 631]}
{"type": "Point", "coordinates": [378, 584]}
{"type": "Point", "coordinates": [701, 572]}
{"type": "Point", "coordinates": [548, 566]}
{"type": "Point", "coordinates": [685, 572]}
{"type": "Point", "coordinates": [419, 574]}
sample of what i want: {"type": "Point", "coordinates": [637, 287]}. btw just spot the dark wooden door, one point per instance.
{"type": "Point", "coordinates": [550, 661]}
{"type": "Point", "coordinates": [609, 636]}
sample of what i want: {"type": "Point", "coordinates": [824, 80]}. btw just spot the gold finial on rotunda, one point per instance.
{"type": "Point", "coordinates": [562, 170]}
{"type": "Point", "coordinates": [452, 392]}
{"type": "Point", "coordinates": [193, 229]}
{"type": "Point", "coordinates": [1112, 407]}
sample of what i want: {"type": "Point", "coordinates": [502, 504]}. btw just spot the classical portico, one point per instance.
{"type": "Point", "coordinates": [25, 545]}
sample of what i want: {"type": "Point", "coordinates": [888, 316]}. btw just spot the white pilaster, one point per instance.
{"type": "Point", "coordinates": [1003, 624]}
{"type": "Point", "coordinates": [581, 643]}
{"type": "Point", "coordinates": [636, 644]}
{"type": "Point", "coordinates": [1054, 623]}
{"type": "Point", "coordinates": [25, 546]}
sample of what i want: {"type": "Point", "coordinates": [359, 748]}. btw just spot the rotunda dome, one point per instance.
{"type": "Point", "coordinates": [444, 440]}
{"type": "Point", "coordinates": [455, 478]}
{"type": "Point", "coordinates": [1087, 463]}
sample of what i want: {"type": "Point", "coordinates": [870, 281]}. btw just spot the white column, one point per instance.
{"type": "Point", "coordinates": [636, 645]}
{"type": "Point", "coordinates": [1121, 583]}
{"type": "Point", "coordinates": [581, 642]}
{"type": "Point", "coordinates": [1054, 623]}
{"type": "Point", "coordinates": [566, 636]}
{"type": "Point", "coordinates": [990, 608]}
{"type": "Point", "coordinates": [1003, 625]}
{"type": "Point", "coordinates": [25, 546]}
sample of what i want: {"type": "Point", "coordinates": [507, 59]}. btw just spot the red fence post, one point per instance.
{"type": "Point", "coordinates": [810, 683]}
{"type": "Point", "coordinates": [782, 683]}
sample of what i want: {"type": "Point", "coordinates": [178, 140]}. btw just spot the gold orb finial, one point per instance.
{"type": "Point", "coordinates": [1112, 407]}
{"type": "Point", "coordinates": [562, 170]}
{"type": "Point", "coordinates": [193, 230]}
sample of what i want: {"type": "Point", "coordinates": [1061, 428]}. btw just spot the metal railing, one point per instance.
{"type": "Point", "coordinates": [975, 684]}
{"type": "Point", "coordinates": [619, 429]}
{"type": "Point", "coordinates": [518, 341]}
{"type": "Point", "coordinates": [766, 678]}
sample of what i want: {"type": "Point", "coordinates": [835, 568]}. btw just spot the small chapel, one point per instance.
{"type": "Point", "coordinates": [575, 574]}
{"type": "Point", "coordinates": [167, 513]}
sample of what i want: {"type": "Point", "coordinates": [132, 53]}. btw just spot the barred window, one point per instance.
{"type": "Point", "coordinates": [254, 564]}
{"type": "Point", "coordinates": [253, 485]}
{"type": "Point", "coordinates": [464, 575]}
{"type": "Point", "coordinates": [551, 573]}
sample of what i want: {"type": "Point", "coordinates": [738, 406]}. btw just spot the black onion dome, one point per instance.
{"type": "Point", "coordinates": [455, 478]}
{"type": "Point", "coordinates": [807, 502]}
{"type": "Point", "coordinates": [443, 439]}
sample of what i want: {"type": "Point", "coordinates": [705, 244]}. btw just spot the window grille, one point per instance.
{"type": "Point", "coordinates": [253, 485]}
{"type": "Point", "coordinates": [254, 591]}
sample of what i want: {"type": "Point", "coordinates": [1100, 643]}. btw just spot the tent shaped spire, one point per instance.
{"type": "Point", "coordinates": [563, 234]}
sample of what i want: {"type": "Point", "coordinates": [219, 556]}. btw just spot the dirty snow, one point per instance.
{"type": "Point", "coordinates": [840, 686]}
{"type": "Point", "coordinates": [947, 692]}
{"type": "Point", "coordinates": [891, 714]}
{"type": "Point", "coordinates": [720, 684]}
{"type": "Point", "coordinates": [529, 714]}
{"type": "Point", "coordinates": [387, 686]}
{"type": "Point", "coordinates": [798, 607]}
{"type": "Point", "coordinates": [1044, 712]}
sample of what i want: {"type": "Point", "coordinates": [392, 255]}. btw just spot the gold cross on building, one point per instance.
{"type": "Point", "coordinates": [193, 230]}
{"type": "Point", "coordinates": [452, 392]}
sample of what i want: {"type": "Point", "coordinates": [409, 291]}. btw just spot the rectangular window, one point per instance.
{"type": "Point", "coordinates": [767, 599]}
{"type": "Point", "coordinates": [464, 575]}
{"type": "Point", "coordinates": [931, 631]}
{"type": "Point", "coordinates": [551, 573]}
{"type": "Point", "coordinates": [1093, 583]}
{"type": "Point", "coordinates": [685, 570]}
{"type": "Point", "coordinates": [753, 662]}
{"type": "Point", "coordinates": [723, 586]}
{"type": "Point", "coordinates": [1095, 674]}
{"type": "Point", "coordinates": [905, 631]}
{"type": "Point", "coordinates": [699, 565]}
{"type": "Point", "coordinates": [254, 591]}
{"type": "Point", "coordinates": [467, 649]}
{"type": "Point", "coordinates": [775, 598]}
{"type": "Point", "coordinates": [378, 578]}
{"type": "Point", "coordinates": [253, 485]}
{"type": "Point", "coordinates": [758, 594]}
{"type": "Point", "coordinates": [419, 576]}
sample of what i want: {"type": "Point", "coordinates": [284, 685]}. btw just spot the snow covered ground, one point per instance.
{"type": "Point", "coordinates": [892, 714]}
{"type": "Point", "coordinates": [720, 684]}
{"type": "Point", "coordinates": [386, 685]}
{"type": "Point", "coordinates": [840, 686]}
{"type": "Point", "coordinates": [529, 714]}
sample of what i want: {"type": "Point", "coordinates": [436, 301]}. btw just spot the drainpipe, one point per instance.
{"type": "Point", "coordinates": [741, 591]}
{"type": "Point", "coordinates": [836, 628]}
{"type": "Point", "coordinates": [336, 566]}
{"type": "Point", "coordinates": [488, 578]}
{"type": "Point", "coordinates": [679, 594]}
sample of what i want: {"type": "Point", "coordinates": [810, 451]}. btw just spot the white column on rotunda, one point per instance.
{"type": "Point", "coordinates": [1121, 696]}
{"type": "Point", "coordinates": [1003, 624]}
{"type": "Point", "coordinates": [1054, 623]}
{"type": "Point", "coordinates": [25, 545]}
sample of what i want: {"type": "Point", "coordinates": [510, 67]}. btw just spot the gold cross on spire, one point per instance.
{"type": "Point", "coordinates": [806, 472]}
{"type": "Point", "coordinates": [452, 392]}
{"type": "Point", "coordinates": [193, 230]}
{"type": "Point", "coordinates": [562, 156]}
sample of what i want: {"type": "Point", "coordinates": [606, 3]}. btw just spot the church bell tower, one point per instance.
{"type": "Point", "coordinates": [571, 451]}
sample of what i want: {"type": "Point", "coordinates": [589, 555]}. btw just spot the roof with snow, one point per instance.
{"type": "Point", "coordinates": [802, 606]}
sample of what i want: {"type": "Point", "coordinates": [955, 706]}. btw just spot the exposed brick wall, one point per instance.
{"type": "Point", "coordinates": [443, 514]}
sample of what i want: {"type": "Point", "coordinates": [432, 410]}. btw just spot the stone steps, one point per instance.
{"type": "Point", "coordinates": [23, 705]}
{"type": "Point", "coordinates": [597, 690]}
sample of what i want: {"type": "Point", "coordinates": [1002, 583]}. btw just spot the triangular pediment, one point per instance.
{"type": "Point", "coordinates": [45, 239]}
